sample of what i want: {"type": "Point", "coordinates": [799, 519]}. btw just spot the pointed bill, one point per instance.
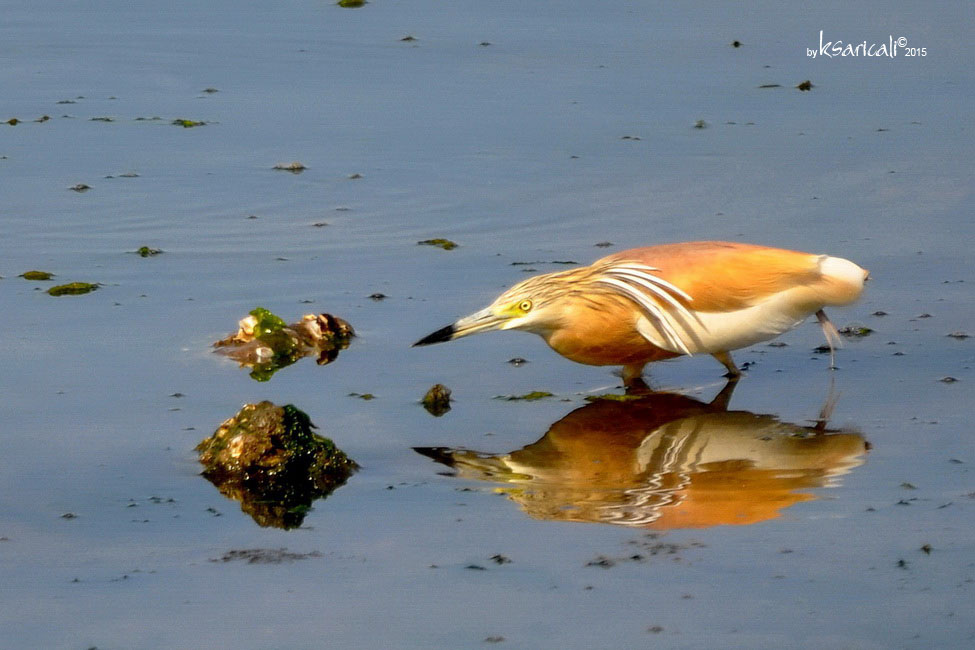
{"type": "Point", "coordinates": [482, 321]}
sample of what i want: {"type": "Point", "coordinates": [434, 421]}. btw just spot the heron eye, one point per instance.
{"type": "Point", "coordinates": [525, 306]}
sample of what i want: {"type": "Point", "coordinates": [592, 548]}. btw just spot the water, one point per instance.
{"type": "Point", "coordinates": [516, 151]}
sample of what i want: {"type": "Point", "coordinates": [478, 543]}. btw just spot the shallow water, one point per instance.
{"type": "Point", "coordinates": [516, 151]}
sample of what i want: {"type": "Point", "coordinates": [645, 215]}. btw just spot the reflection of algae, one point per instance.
{"type": "Point", "coordinates": [266, 344]}
{"type": "Point", "coordinates": [268, 458]}
{"type": "Point", "coordinates": [664, 461]}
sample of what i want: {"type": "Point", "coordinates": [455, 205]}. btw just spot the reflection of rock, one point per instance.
{"type": "Point", "coordinates": [664, 461]}
{"type": "Point", "coordinates": [266, 344]}
{"type": "Point", "coordinates": [267, 458]}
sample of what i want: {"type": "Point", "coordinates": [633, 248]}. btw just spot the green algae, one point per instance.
{"type": "Point", "coordinates": [527, 397]}
{"type": "Point", "coordinates": [145, 251]}
{"type": "Point", "coordinates": [613, 397]}
{"type": "Point", "coordinates": [72, 289]}
{"type": "Point", "coordinates": [266, 344]}
{"type": "Point", "coordinates": [439, 242]}
{"type": "Point", "coordinates": [37, 275]}
{"type": "Point", "coordinates": [267, 322]}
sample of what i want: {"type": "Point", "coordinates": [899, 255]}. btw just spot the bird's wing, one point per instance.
{"type": "Point", "coordinates": [718, 276]}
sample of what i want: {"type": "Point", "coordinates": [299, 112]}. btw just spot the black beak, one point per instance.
{"type": "Point", "coordinates": [441, 335]}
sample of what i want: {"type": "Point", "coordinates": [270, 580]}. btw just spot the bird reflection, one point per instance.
{"type": "Point", "coordinates": [663, 461]}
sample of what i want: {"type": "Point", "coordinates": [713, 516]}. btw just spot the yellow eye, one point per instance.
{"type": "Point", "coordinates": [525, 306]}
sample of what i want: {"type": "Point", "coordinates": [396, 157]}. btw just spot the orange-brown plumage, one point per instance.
{"type": "Point", "coordinates": [659, 302]}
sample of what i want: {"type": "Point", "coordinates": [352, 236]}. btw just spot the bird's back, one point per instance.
{"type": "Point", "coordinates": [730, 276]}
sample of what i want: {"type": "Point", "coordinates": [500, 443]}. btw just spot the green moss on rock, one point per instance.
{"type": "Point", "coordinates": [268, 458]}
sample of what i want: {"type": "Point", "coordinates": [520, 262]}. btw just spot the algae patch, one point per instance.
{"type": "Point", "coordinates": [145, 251]}
{"type": "Point", "coordinates": [268, 458]}
{"type": "Point", "coordinates": [439, 242]}
{"type": "Point", "coordinates": [37, 275]}
{"type": "Point", "coordinates": [72, 289]}
{"type": "Point", "coordinates": [527, 397]}
{"type": "Point", "coordinates": [265, 343]}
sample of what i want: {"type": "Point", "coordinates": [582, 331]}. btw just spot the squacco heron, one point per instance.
{"type": "Point", "coordinates": [650, 304]}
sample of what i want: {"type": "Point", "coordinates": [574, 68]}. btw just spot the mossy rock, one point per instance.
{"type": "Point", "coordinates": [437, 400]}
{"type": "Point", "coordinates": [268, 458]}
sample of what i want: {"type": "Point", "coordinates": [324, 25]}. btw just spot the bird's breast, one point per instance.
{"type": "Point", "coordinates": [603, 338]}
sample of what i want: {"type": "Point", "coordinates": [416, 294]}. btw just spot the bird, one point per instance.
{"type": "Point", "coordinates": [660, 302]}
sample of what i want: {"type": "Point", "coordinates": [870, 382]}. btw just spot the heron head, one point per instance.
{"type": "Point", "coordinates": [529, 306]}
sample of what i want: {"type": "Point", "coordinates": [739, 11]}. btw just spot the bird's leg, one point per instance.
{"type": "Point", "coordinates": [725, 358]}
{"type": "Point", "coordinates": [633, 377]}
{"type": "Point", "coordinates": [832, 336]}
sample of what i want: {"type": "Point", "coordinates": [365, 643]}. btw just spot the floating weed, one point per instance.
{"type": "Point", "coordinates": [145, 251]}
{"type": "Point", "coordinates": [186, 124]}
{"type": "Point", "coordinates": [294, 167]}
{"type": "Point", "coordinates": [527, 397]}
{"type": "Point", "coordinates": [805, 85]}
{"type": "Point", "coordinates": [855, 331]}
{"type": "Point", "coordinates": [37, 275]}
{"type": "Point", "coordinates": [613, 397]}
{"type": "Point", "coordinates": [439, 242]}
{"type": "Point", "coordinates": [351, 4]}
{"type": "Point", "coordinates": [72, 289]}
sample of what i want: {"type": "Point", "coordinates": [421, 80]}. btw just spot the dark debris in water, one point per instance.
{"type": "Point", "coordinates": [264, 556]}
{"type": "Point", "coordinates": [805, 85]}
{"type": "Point", "coordinates": [145, 251]}
{"type": "Point", "coordinates": [855, 331]}
{"type": "Point", "coordinates": [187, 124]}
{"type": "Point", "coordinates": [80, 187]}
